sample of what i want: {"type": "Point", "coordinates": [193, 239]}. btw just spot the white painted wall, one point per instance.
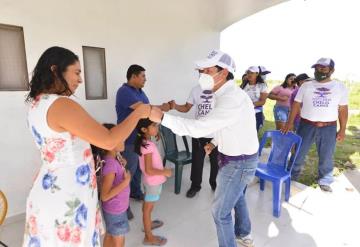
{"type": "Point", "coordinates": [164, 36]}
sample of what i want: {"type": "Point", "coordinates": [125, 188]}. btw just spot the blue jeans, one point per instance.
{"type": "Point", "coordinates": [231, 182]}
{"type": "Point", "coordinates": [281, 113]}
{"type": "Point", "coordinates": [133, 166]}
{"type": "Point", "coordinates": [116, 224]}
{"type": "Point", "coordinates": [325, 140]}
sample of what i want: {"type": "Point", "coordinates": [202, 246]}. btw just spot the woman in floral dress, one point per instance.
{"type": "Point", "coordinates": [62, 208]}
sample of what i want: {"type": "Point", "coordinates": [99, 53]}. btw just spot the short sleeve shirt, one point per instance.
{"type": "Point", "coordinates": [321, 101]}
{"type": "Point", "coordinates": [150, 148]}
{"type": "Point", "coordinates": [254, 92]}
{"type": "Point", "coordinates": [203, 101]}
{"type": "Point", "coordinates": [280, 91]}
{"type": "Point", "coordinates": [126, 96]}
{"type": "Point", "coordinates": [119, 203]}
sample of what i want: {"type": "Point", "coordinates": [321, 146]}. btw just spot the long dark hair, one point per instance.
{"type": "Point", "coordinates": [245, 82]}
{"type": "Point", "coordinates": [284, 84]}
{"type": "Point", "coordinates": [43, 78]}
{"type": "Point", "coordinates": [140, 140]}
{"type": "Point", "coordinates": [100, 152]}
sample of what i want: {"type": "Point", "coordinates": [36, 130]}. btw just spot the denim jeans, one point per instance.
{"type": "Point", "coordinates": [325, 140]}
{"type": "Point", "coordinates": [281, 113]}
{"type": "Point", "coordinates": [134, 168]}
{"type": "Point", "coordinates": [231, 181]}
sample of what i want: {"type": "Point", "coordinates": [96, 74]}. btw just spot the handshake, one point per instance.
{"type": "Point", "coordinates": [154, 113]}
{"type": "Point", "coordinates": [168, 106]}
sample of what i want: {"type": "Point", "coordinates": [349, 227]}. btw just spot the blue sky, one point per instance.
{"type": "Point", "coordinates": [291, 36]}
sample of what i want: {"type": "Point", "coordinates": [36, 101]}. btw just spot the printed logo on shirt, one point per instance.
{"type": "Point", "coordinates": [205, 105]}
{"type": "Point", "coordinates": [321, 98]}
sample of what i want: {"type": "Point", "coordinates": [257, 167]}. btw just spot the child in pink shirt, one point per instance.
{"type": "Point", "coordinates": [154, 175]}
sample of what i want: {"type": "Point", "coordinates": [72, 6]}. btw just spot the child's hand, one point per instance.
{"type": "Point", "coordinates": [127, 176]}
{"type": "Point", "coordinates": [167, 172]}
{"type": "Point", "coordinates": [123, 161]}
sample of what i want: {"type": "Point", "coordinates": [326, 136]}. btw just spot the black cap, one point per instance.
{"type": "Point", "coordinates": [301, 77]}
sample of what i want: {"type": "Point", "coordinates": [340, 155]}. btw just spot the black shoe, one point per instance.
{"type": "Point", "coordinates": [139, 197]}
{"type": "Point", "coordinates": [325, 188]}
{"type": "Point", "coordinates": [130, 214]}
{"type": "Point", "coordinates": [192, 192]}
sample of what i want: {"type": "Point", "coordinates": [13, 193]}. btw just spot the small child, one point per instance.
{"type": "Point", "coordinates": [154, 175]}
{"type": "Point", "coordinates": [115, 192]}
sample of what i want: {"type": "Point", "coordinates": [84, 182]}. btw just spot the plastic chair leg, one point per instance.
{"type": "Point", "coordinates": [178, 177]}
{"type": "Point", "coordinates": [262, 184]}
{"type": "Point", "coordinates": [287, 189]}
{"type": "Point", "coordinates": [1, 243]}
{"type": "Point", "coordinates": [276, 199]}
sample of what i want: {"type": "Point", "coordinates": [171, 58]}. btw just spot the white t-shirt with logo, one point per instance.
{"type": "Point", "coordinates": [321, 101]}
{"type": "Point", "coordinates": [202, 101]}
{"type": "Point", "coordinates": [254, 92]}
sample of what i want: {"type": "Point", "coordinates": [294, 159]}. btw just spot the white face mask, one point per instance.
{"type": "Point", "coordinates": [206, 81]}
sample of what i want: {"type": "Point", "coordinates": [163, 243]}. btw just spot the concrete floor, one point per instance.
{"type": "Point", "coordinates": [311, 218]}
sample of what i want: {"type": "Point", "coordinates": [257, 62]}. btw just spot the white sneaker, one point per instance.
{"type": "Point", "coordinates": [246, 241]}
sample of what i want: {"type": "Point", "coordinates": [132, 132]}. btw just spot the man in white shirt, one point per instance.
{"type": "Point", "coordinates": [323, 102]}
{"type": "Point", "coordinates": [232, 122]}
{"type": "Point", "coordinates": [203, 102]}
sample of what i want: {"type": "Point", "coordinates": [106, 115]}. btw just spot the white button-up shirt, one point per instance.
{"type": "Point", "coordinates": [232, 121]}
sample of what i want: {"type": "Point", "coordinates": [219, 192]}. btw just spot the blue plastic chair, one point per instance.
{"type": "Point", "coordinates": [179, 158]}
{"type": "Point", "coordinates": [278, 167]}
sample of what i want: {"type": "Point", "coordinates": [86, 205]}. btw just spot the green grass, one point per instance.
{"type": "Point", "coordinates": [347, 152]}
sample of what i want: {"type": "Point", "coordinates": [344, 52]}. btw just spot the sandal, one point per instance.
{"type": "Point", "coordinates": [155, 224]}
{"type": "Point", "coordinates": [160, 241]}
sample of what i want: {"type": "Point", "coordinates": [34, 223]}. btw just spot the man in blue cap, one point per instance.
{"type": "Point", "coordinates": [320, 102]}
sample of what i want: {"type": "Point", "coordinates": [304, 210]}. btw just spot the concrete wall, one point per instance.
{"type": "Point", "coordinates": [163, 36]}
{"type": "Point", "coordinates": [231, 11]}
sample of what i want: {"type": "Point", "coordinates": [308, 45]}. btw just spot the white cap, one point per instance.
{"type": "Point", "coordinates": [254, 69]}
{"type": "Point", "coordinates": [327, 62]}
{"type": "Point", "coordinates": [263, 70]}
{"type": "Point", "coordinates": [218, 58]}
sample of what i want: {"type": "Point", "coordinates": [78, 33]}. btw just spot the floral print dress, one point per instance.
{"type": "Point", "coordinates": [62, 208]}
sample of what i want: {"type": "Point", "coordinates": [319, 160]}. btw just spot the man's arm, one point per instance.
{"type": "Point", "coordinates": [164, 107]}
{"type": "Point", "coordinates": [182, 108]}
{"type": "Point", "coordinates": [343, 118]}
{"type": "Point", "coordinates": [219, 118]}
{"type": "Point", "coordinates": [295, 110]}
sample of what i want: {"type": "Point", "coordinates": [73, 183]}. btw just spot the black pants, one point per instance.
{"type": "Point", "coordinates": [198, 156]}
